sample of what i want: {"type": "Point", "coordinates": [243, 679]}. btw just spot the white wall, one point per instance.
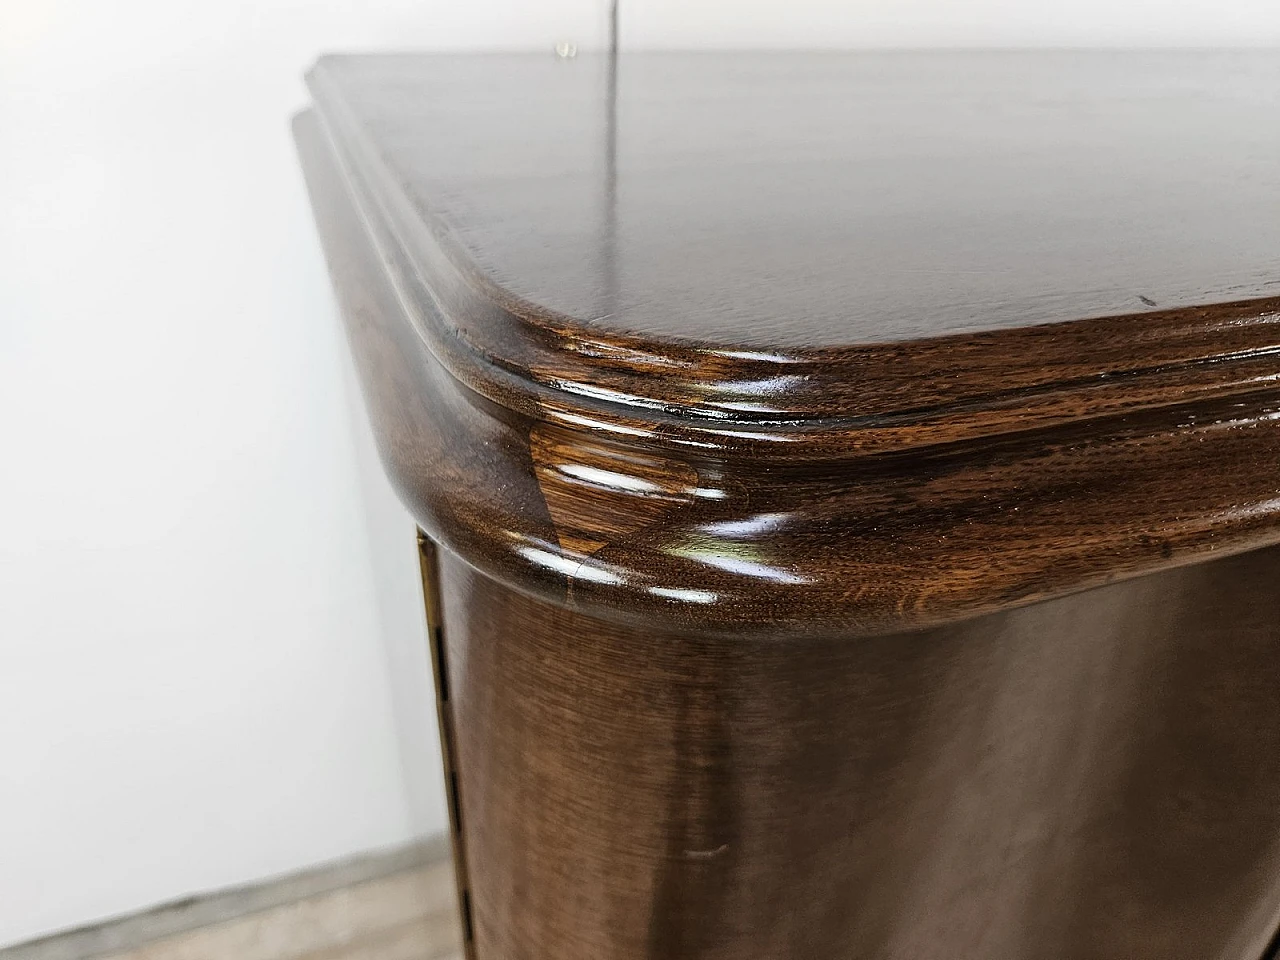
{"type": "Point", "coordinates": [211, 662]}
{"type": "Point", "coordinates": [195, 652]}
{"type": "Point", "coordinates": [949, 23]}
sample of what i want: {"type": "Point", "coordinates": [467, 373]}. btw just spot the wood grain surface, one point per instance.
{"type": "Point", "coordinates": [818, 200]}
{"type": "Point", "coordinates": [855, 488]}
{"type": "Point", "coordinates": [746, 248]}
{"type": "Point", "coordinates": [1098, 449]}
{"type": "Point", "coordinates": [1092, 778]}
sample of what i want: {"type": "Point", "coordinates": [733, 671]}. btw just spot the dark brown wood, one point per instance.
{"type": "Point", "coordinates": [429, 566]}
{"type": "Point", "coordinates": [765, 220]}
{"type": "Point", "coordinates": [810, 200]}
{"type": "Point", "coordinates": [857, 479]}
{"type": "Point", "coordinates": [1094, 777]}
{"type": "Point", "coordinates": [971, 471]}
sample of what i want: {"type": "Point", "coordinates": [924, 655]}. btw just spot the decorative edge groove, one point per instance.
{"type": "Point", "coordinates": [854, 401]}
{"type": "Point", "coordinates": [631, 520]}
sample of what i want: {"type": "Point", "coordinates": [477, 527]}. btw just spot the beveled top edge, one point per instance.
{"type": "Point", "coordinates": [719, 543]}
{"type": "Point", "coordinates": [836, 401]}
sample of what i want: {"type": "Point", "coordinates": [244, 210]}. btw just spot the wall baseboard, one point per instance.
{"type": "Point", "coordinates": [318, 893]}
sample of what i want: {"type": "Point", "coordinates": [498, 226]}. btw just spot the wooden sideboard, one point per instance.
{"type": "Point", "coordinates": [849, 490]}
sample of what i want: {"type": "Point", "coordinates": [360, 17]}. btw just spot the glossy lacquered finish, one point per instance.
{"type": "Point", "coordinates": [723, 483]}
{"type": "Point", "coordinates": [852, 473]}
{"type": "Point", "coordinates": [1092, 778]}
{"type": "Point", "coordinates": [807, 200]}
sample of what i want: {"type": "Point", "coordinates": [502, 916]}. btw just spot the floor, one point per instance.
{"type": "Point", "coordinates": [394, 906]}
{"type": "Point", "coordinates": [408, 915]}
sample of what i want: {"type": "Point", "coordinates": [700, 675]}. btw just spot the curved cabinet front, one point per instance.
{"type": "Point", "coordinates": [1090, 778]}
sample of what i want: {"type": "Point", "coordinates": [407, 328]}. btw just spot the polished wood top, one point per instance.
{"type": "Point", "coordinates": [829, 343]}
{"type": "Point", "coordinates": [806, 200]}
{"type": "Point", "coordinates": [743, 248]}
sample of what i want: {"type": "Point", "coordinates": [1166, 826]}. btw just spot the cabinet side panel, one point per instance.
{"type": "Point", "coordinates": [1094, 777]}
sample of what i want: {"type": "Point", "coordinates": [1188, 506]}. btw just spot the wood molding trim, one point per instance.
{"type": "Point", "coordinates": [527, 446]}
